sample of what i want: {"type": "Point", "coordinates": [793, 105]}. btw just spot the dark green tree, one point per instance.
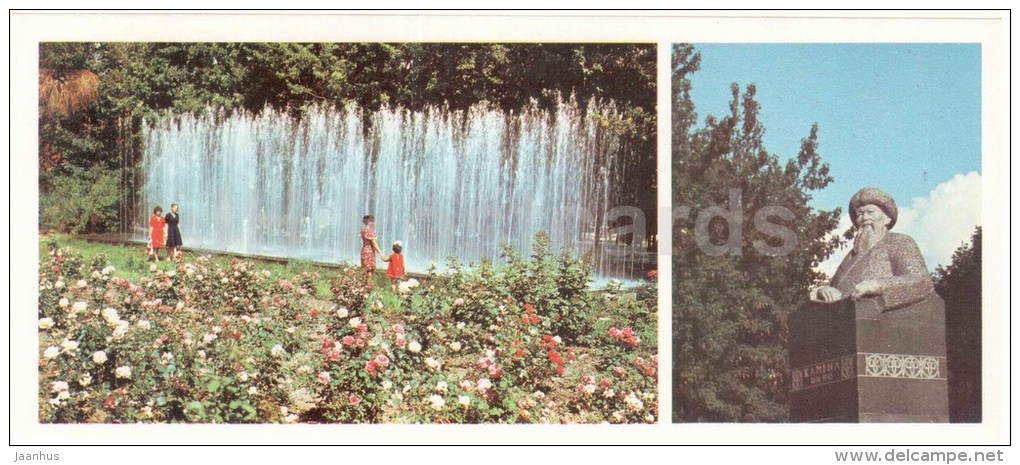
{"type": "Point", "coordinates": [959, 284]}
{"type": "Point", "coordinates": [729, 310]}
{"type": "Point", "coordinates": [94, 97]}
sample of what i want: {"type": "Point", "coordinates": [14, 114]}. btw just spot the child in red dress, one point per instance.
{"type": "Point", "coordinates": [395, 270]}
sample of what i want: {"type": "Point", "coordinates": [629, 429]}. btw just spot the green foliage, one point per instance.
{"type": "Point", "coordinates": [221, 340]}
{"type": "Point", "coordinates": [959, 284]}
{"type": "Point", "coordinates": [82, 200]}
{"type": "Point", "coordinates": [729, 318]}
{"type": "Point", "coordinates": [151, 80]}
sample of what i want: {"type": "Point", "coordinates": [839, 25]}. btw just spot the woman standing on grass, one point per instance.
{"type": "Point", "coordinates": [369, 247]}
{"type": "Point", "coordinates": [157, 231]}
{"type": "Point", "coordinates": [173, 238]}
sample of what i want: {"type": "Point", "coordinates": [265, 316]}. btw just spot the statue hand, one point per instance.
{"type": "Point", "coordinates": [827, 294]}
{"type": "Point", "coordinates": [866, 288]}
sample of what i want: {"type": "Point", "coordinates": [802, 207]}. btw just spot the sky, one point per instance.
{"type": "Point", "coordinates": [905, 118]}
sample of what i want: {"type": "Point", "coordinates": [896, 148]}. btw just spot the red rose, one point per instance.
{"type": "Point", "coordinates": [653, 273]}
{"type": "Point", "coordinates": [353, 399]}
{"type": "Point", "coordinates": [110, 402]}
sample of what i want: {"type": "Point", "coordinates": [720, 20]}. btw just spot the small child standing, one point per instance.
{"type": "Point", "coordinates": [395, 270]}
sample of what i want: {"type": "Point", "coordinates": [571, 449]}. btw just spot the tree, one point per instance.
{"type": "Point", "coordinates": [94, 97]}
{"type": "Point", "coordinates": [729, 310]}
{"type": "Point", "coordinates": [959, 284]}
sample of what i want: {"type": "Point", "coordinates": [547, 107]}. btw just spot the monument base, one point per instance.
{"type": "Point", "coordinates": [854, 362]}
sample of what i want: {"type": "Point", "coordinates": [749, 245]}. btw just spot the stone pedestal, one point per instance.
{"type": "Point", "coordinates": [855, 362]}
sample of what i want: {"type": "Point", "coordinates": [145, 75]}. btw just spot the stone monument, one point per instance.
{"type": "Point", "coordinates": [871, 345]}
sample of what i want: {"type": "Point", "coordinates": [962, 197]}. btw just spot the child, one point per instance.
{"type": "Point", "coordinates": [395, 270]}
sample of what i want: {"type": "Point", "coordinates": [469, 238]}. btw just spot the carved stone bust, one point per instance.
{"type": "Point", "coordinates": [882, 263]}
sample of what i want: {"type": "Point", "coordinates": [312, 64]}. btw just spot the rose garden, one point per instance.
{"type": "Point", "coordinates": [224, 340]}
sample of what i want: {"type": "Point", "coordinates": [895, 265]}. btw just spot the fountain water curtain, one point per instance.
{"type": "Point", "coordinates": [446, 183]}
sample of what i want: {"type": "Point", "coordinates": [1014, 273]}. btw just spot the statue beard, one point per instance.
{"type": "Point", "coordinates": [867, 236]}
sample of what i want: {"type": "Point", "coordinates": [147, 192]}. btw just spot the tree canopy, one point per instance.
{"type": "Point", "coordinates": [729, 309]}
{"type": "Point", "coordinates": [959, 284]}
{"type": "Point", "coordinates": [93, 97]}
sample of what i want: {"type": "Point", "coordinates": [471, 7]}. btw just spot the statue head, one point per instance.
{"type": "Point", "coordinates": [870, 196]}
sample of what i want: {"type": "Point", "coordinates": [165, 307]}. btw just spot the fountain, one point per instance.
{"type": "Point", "coordinates": [446, 183]}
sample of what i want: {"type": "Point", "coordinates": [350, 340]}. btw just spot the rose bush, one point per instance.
{"type": "Point", "coordinates": [218, 340]}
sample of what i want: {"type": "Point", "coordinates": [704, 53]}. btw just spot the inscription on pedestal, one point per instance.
{"type": "Point", "coordinates": [829, 371]}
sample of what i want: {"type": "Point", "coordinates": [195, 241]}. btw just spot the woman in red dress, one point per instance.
{"type": "Point", "coordinates": [157, 231]}
{"type": "Point", "coordinates": [369, 247]}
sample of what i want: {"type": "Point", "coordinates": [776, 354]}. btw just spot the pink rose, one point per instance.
{"type": "Point", "coordinates": [353, 399]}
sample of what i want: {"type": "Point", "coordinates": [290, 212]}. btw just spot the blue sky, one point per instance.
{"type": "Point", "coordinates": [901, 117]}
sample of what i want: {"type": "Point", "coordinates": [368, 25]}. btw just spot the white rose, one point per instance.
{"type": "Point", "coordinates": [253, 390]}
{"type": "Point", "coordinates": [455, 346]}
{"type": "Point", "coordinates": [152, 267]}
{"type": "Point", "coordinates": [51, 352]}
{"type": "Point", "coordinates": [342, 312]}
{"type": "Point", "coordinates": [437, 401]}
{"type": "Point", "coordinates": [82, 283]}
{"type": "Point", "coordinates": [144, 324]}
{"type": "Point", "coordinates": [79, 306]}
{"type": "Point", "coordinates": [432, 363]}
{"type": "Point", "coordinates": [387, 385]}
{"type": "Point", "coordinates": [414, 346]}
{"type": "Point", "coordinates": [85, 380]}
{"type": "Point", "coordinates": [59, 284]}
{"type": "Point", "coordinates": [121, 330]}
{"type": "Point", "coordinates": [354, 322]}
{"type": "Point", "coordinates": [45, 323]}
{"type": "Point", "coordinates": [58, 386]}
{"type": "Point", "coordinates": [441, 386]}
{"type": "Point", "coordinates": [464, 400]}
{"type": "Point", "coordinates": [64, 302]}
{"type": "Point", "coordinates": [99, 357]}
{"type": "Point", "coordinates": [277, 351]}
{"type": "Point", "coordinates": [123, 371]}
